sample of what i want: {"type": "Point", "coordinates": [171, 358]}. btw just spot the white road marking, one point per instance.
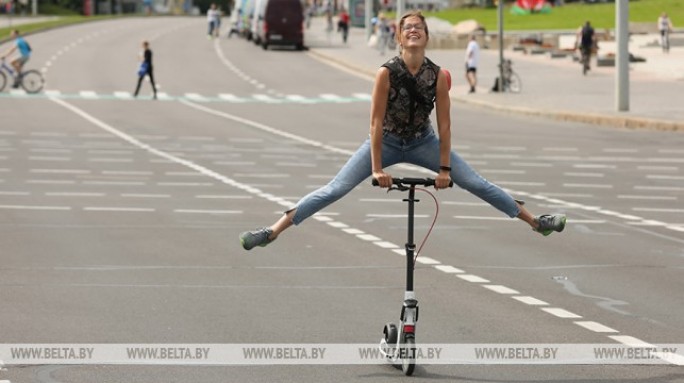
{"type": "Point", "coordinates": [660, 188]}
{"type": "Point", "coordinates": [630, 341]}
{"type": "Point", "coordinates": [338, 225]}
{"type": "Point", "coordinates": [51, 159]}
{"type": "Point", "coordinates": [386, 245]}
{"type": "Point", "coordinates": [570, 195]}
{"type": "Point", "coordinates": [661, 168]}
{"type": "Point", "coordinates": [111, 160]}
{"type": "Point", "coordinates": [552, 149]}
{"type": "Point", "coordinates": [123, 95]}
{"type": "Point", "coordinates": [561, 313]}
{"type": "Point", "coordinates": [472, 278]}
{"type": "Point", "coordinates": [74, 194]}
{"type": "Point", "coordinates": [664, 177]}
{"type": "Point", "coordinates": [127, 173]}
{"type": "Point", "coordinates": [368, 237]}
{"type": "Point", "coordinates": [114, 183]}
{"type": "Point", "coordinates": [353, 231]}
{"type": "Point", "coordinates": [578, 174]}
{"type": "Point", "coordinates": [230, 97]}
{"type": "Point", "coordinates": [482, 218]}
{"type": "Point", "coordinates": [60, 171]}
{"type": "Point", "coordinates": [502, 171]}
{"type": "Point", "coordinates": [646, 197]}
{"type": "Point", "coordinates": [119, 209]}
{"type": "Point", "coordinates": [27, 207]}
{"type": "Point", "coordinates": [427, 261]}
{"type": "Point", "coordinates": [589, 186]}
{"type": "Point", "coordinates": [532, 164]}
{"type": "Point", "coordinates": [657, 210]}
{"type": "Point", "coordinates": [51, 182]}
{"type": "Point", "coordinates": [501, 289]}
{"type": "Point", "coordinates": [15, 193]}
{"type": "Point", "coordinates": [532, 301]}
{"type": "Point", "coordinates": [186, 184]}
{"type": "Point", "coordinates": [449, 269]}
{"type": "Point", "coordinates": [520, 183]}
{"type": "Point", "coordinates": [332, 97]}
{"type": "Point", "coordinates": [87, 94]}
{"type": "Point", "coordinates": [363, 96]}
{"type": "Point", "coordinates": [266, 98]}
{"type": "Point", "coordinates": [206, 196]}
{"type": "Point", "coordinates": [595, 326]}
{"type": "Point", "coordinates": [142, 195]}
{"type": "Point", "coordinates": [197, 211]}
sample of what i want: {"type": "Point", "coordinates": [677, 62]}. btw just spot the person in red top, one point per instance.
{"type": "Point", "coordinates": [343, 24]}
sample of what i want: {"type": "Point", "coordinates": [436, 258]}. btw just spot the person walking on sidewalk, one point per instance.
{"type": "Point", "coordinates": [665, 27]}
{"type": "Point", "coordinates": [343, 24]}
{"type": "Point", "coordinates": [213, 21]}
{"type": "Point", "coordinates": [586, 41]}
{"type": "Point", "coordinates": [145, 69]}
{"type": "Point", "coordinates": [406, 90]}
{"type": "Point", "coordinates": [384, 33]}
{"type": "Point", "coordinates": [472, 57]}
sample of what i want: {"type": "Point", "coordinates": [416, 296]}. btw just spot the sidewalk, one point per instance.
{"type": "Point", "coordinates": [8, 21]}
{"type": "Point", "coordinates": [553, 88]}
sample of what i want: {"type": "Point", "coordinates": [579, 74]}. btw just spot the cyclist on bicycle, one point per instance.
{"type": "Point", "coordinates": [407, 88]}
{"type": "Point", "coordinates": [587, 40]}
{"type": "Point", "coordinates": [24, 54]}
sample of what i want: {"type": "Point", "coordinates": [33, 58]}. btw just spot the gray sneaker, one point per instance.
{"type": "Point", "coordinates": [258, 237]}
{"type": "Point", "coordinates": [550, 223]}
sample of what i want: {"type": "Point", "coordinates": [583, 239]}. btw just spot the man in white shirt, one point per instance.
{"type": "Point", "coordinates": [665, 27]}
{"type": "Point", "coordinates": [472, 57]}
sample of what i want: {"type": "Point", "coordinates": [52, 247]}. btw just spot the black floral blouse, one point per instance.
{"type": "Point", "coordinates": [411, 98]}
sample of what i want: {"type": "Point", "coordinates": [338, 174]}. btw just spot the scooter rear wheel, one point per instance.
{"type": "Point", "coordinates": [408, 365]}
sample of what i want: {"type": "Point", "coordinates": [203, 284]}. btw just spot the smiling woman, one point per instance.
{"type": "Point", "coordinates": [407, 88]}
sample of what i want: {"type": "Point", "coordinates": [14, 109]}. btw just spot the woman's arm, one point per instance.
{"type": "Point", "coordinates": [378, 109]}
{"type": "Point", "coordinates": [443, 105]}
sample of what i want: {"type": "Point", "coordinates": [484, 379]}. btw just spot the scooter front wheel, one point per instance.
{"type": "Point", "coordinates": [408, 361]}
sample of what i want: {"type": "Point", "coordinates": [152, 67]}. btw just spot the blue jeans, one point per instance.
{"type": "Point", "coordinates": [421, 151]}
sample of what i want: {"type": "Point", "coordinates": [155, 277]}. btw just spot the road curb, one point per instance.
{"type": "Point", "coordinates": [627, 122]}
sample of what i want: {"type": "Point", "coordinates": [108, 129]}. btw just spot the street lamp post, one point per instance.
{"type": "Point", "coordinates": [500, 16]}
{"type": "Point", "coordinates": [622, 55]}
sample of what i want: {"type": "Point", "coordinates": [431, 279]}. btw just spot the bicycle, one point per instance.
{"type": "Point", "coordinates": [511, 80]}
{"type": "Point", "coordinates": [398, 344]}
{"type": "Point", "coordinates": [31, 80]}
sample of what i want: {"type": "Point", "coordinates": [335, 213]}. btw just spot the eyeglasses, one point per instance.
{"type": "Point", "coordinates": [408, 27]}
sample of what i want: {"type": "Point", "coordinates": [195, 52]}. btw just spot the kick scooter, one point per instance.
{"type": "Point", "coordinates": [398, 344]}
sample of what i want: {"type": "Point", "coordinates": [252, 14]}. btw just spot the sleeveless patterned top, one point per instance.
{"type": "Point", "coordinates": [411, 98]}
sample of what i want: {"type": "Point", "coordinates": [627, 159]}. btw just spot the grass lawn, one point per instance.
{"type": "Point", "coordinates": [63, 20]}
{"type": "Point", "coordinates": [570, 16]}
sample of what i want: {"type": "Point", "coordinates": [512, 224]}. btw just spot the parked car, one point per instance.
{"type": "Point", "coordinates": [282, 23]}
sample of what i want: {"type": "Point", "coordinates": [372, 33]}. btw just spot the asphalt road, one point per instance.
{"type": "Point", "coordinates": [119, 220]}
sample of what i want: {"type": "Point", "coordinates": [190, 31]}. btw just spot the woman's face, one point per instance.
{"type": "Point", "coordinates": [413, 33]}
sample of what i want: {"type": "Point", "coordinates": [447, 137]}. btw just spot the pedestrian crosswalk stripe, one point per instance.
{"type": "Point", "coordinates": [197, 97]}
{"type": "Point", "coordinates": [123, 95]}
{"type": "Point", "coordinates": [230, 97]}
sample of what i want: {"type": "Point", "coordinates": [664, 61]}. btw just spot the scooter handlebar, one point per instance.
{"type": "Point", "coordinates": [412, 181]}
